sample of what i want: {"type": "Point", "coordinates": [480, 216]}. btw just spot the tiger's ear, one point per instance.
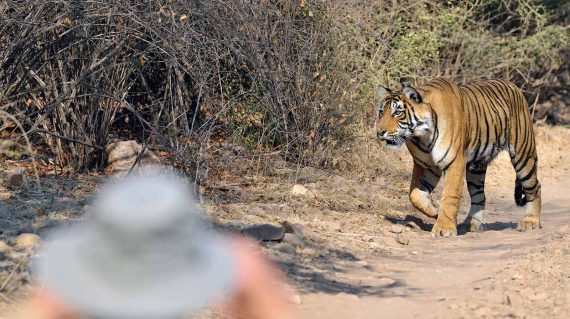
{"type": "Point", "coordinates": [382, 90]}
{"type": "Point", "coordinates": [412, 94]}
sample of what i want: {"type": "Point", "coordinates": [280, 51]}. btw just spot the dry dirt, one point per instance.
{"type": "Point", "coordinates": [353, 262]}
{"type": "Point", "coordinates": [495, 274]}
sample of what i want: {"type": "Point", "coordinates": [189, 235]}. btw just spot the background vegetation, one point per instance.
{"type": "Point", "coordinates": [217, 79]}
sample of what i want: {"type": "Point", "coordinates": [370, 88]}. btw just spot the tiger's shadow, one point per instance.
{"type": "Point", "coordinates": [461, 229]}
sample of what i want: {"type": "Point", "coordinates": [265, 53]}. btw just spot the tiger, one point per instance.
{"type": "Point", "coordinates": [456, 131]}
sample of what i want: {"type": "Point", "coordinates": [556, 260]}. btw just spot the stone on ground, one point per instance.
{"type": "Point", "coordinates": [397, 228]}
{"type": "Point", "coordinates": [122, 155]}
{"type": "Point", "coordinates": [403, 239]}
{"type": "Point", "coordinates": [265, 232]}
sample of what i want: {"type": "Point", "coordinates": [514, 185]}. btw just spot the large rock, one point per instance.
{"type": "Point", "coordinates": [122, 155]}
{"type": "Point", "coordinates": [265, 232]}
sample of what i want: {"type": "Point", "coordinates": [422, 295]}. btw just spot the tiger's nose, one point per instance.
{"type": "Point", "coordinates": [381, 134]}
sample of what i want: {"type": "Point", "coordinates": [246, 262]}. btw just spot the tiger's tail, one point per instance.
{"type": "Point", "coordinates": [520, 198]}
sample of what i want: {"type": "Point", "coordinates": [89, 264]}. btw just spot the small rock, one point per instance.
{"type": "Point", "coordinates": [299, 189]}
{"type": "Point", "coordinates": [513, 300]}
{"type": "Point", "coordinates": [286, 248]}
{"type": "Point", "coordinates": [403, 239]}
{"type": "Point", "coordinates": [27, 241]}
{"type": "Point", "coordinates": [397, 228]}
{"type": "Point", "coordinates": [367, 238]}
{"type": "Point", "coordinates": [415, 252]}
{"type": "Point", "coordinates": [15, 177]}
{"type": "Point", "coordinates": [294, 240]}
{"type": "Point", "coordinates": [265, 232]}
{"type": "Point", "coordinates": [333, 226]}
{"type": "Point", "coordinates": [362, 263]}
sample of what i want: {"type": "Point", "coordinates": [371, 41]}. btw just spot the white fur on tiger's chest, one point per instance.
{"type": "Point", "coordinates": [442, 155]}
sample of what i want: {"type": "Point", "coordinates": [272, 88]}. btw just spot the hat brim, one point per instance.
{"type": "Point", "coordinates": [168, 295]}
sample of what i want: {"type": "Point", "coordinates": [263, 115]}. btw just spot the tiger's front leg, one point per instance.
{"type": "Point", "coordinates": [423, 182]}
{"type": "Point", "coordinates": [446, 223]}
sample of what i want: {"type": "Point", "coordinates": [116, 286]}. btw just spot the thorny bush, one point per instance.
{"type": "Point", "coordinates": [210, 79]}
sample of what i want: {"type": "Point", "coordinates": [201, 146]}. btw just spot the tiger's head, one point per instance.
{"type": "Point", "coordinates": [402, 114]}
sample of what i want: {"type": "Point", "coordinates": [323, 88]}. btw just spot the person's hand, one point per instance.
{"type": "Point", "coordinates": [260, 291]}
{"type": "Point", "coordinates": [42, 305]}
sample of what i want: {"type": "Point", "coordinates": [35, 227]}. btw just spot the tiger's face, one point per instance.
{"type": "Point", "coordinates": [401, 115]}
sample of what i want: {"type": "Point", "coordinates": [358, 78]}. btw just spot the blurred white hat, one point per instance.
{"type": "Point", "coordinates": [145, 252]}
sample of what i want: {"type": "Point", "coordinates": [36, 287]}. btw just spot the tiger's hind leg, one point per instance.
{"type": "Point", "coordinates": [423, 182]}
{"type": "Point", "coordinates": [527, 189]}
{"type": "Point", "coordinates": [476, 185]}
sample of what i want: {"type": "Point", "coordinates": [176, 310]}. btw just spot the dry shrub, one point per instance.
{"type": "Point", "coordinates": [207, 80]}
{"type": "Point", "coordinates": [184, 75]}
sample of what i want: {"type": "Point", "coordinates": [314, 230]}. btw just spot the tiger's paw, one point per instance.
{"type": "Point", "coordinates": [529, 222]}
{"type": "Point", "coordinates": [443, 229]}
{"type": "Point", "coordinates": [473, 225]}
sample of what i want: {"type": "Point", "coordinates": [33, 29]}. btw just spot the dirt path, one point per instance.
{"type": "Point", "coordinates": [497, 273]}
{"type": "Point", "coordinates": [350, 264]}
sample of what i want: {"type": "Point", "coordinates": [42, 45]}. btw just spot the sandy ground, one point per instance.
{"type": "Point", "coordinates": [499, 273]}
{"type": "Point", "coordinates": [358, 260]}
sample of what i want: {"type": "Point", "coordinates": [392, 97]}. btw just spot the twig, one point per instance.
{"type": "Point", "coordinates": [28, 144]}
{"type": "Point", "coordinates": [9, 278]}
{"type": "Point", "coordinates": [69, 139]}
{"type": "Point", "coordinates": [533, 107]}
